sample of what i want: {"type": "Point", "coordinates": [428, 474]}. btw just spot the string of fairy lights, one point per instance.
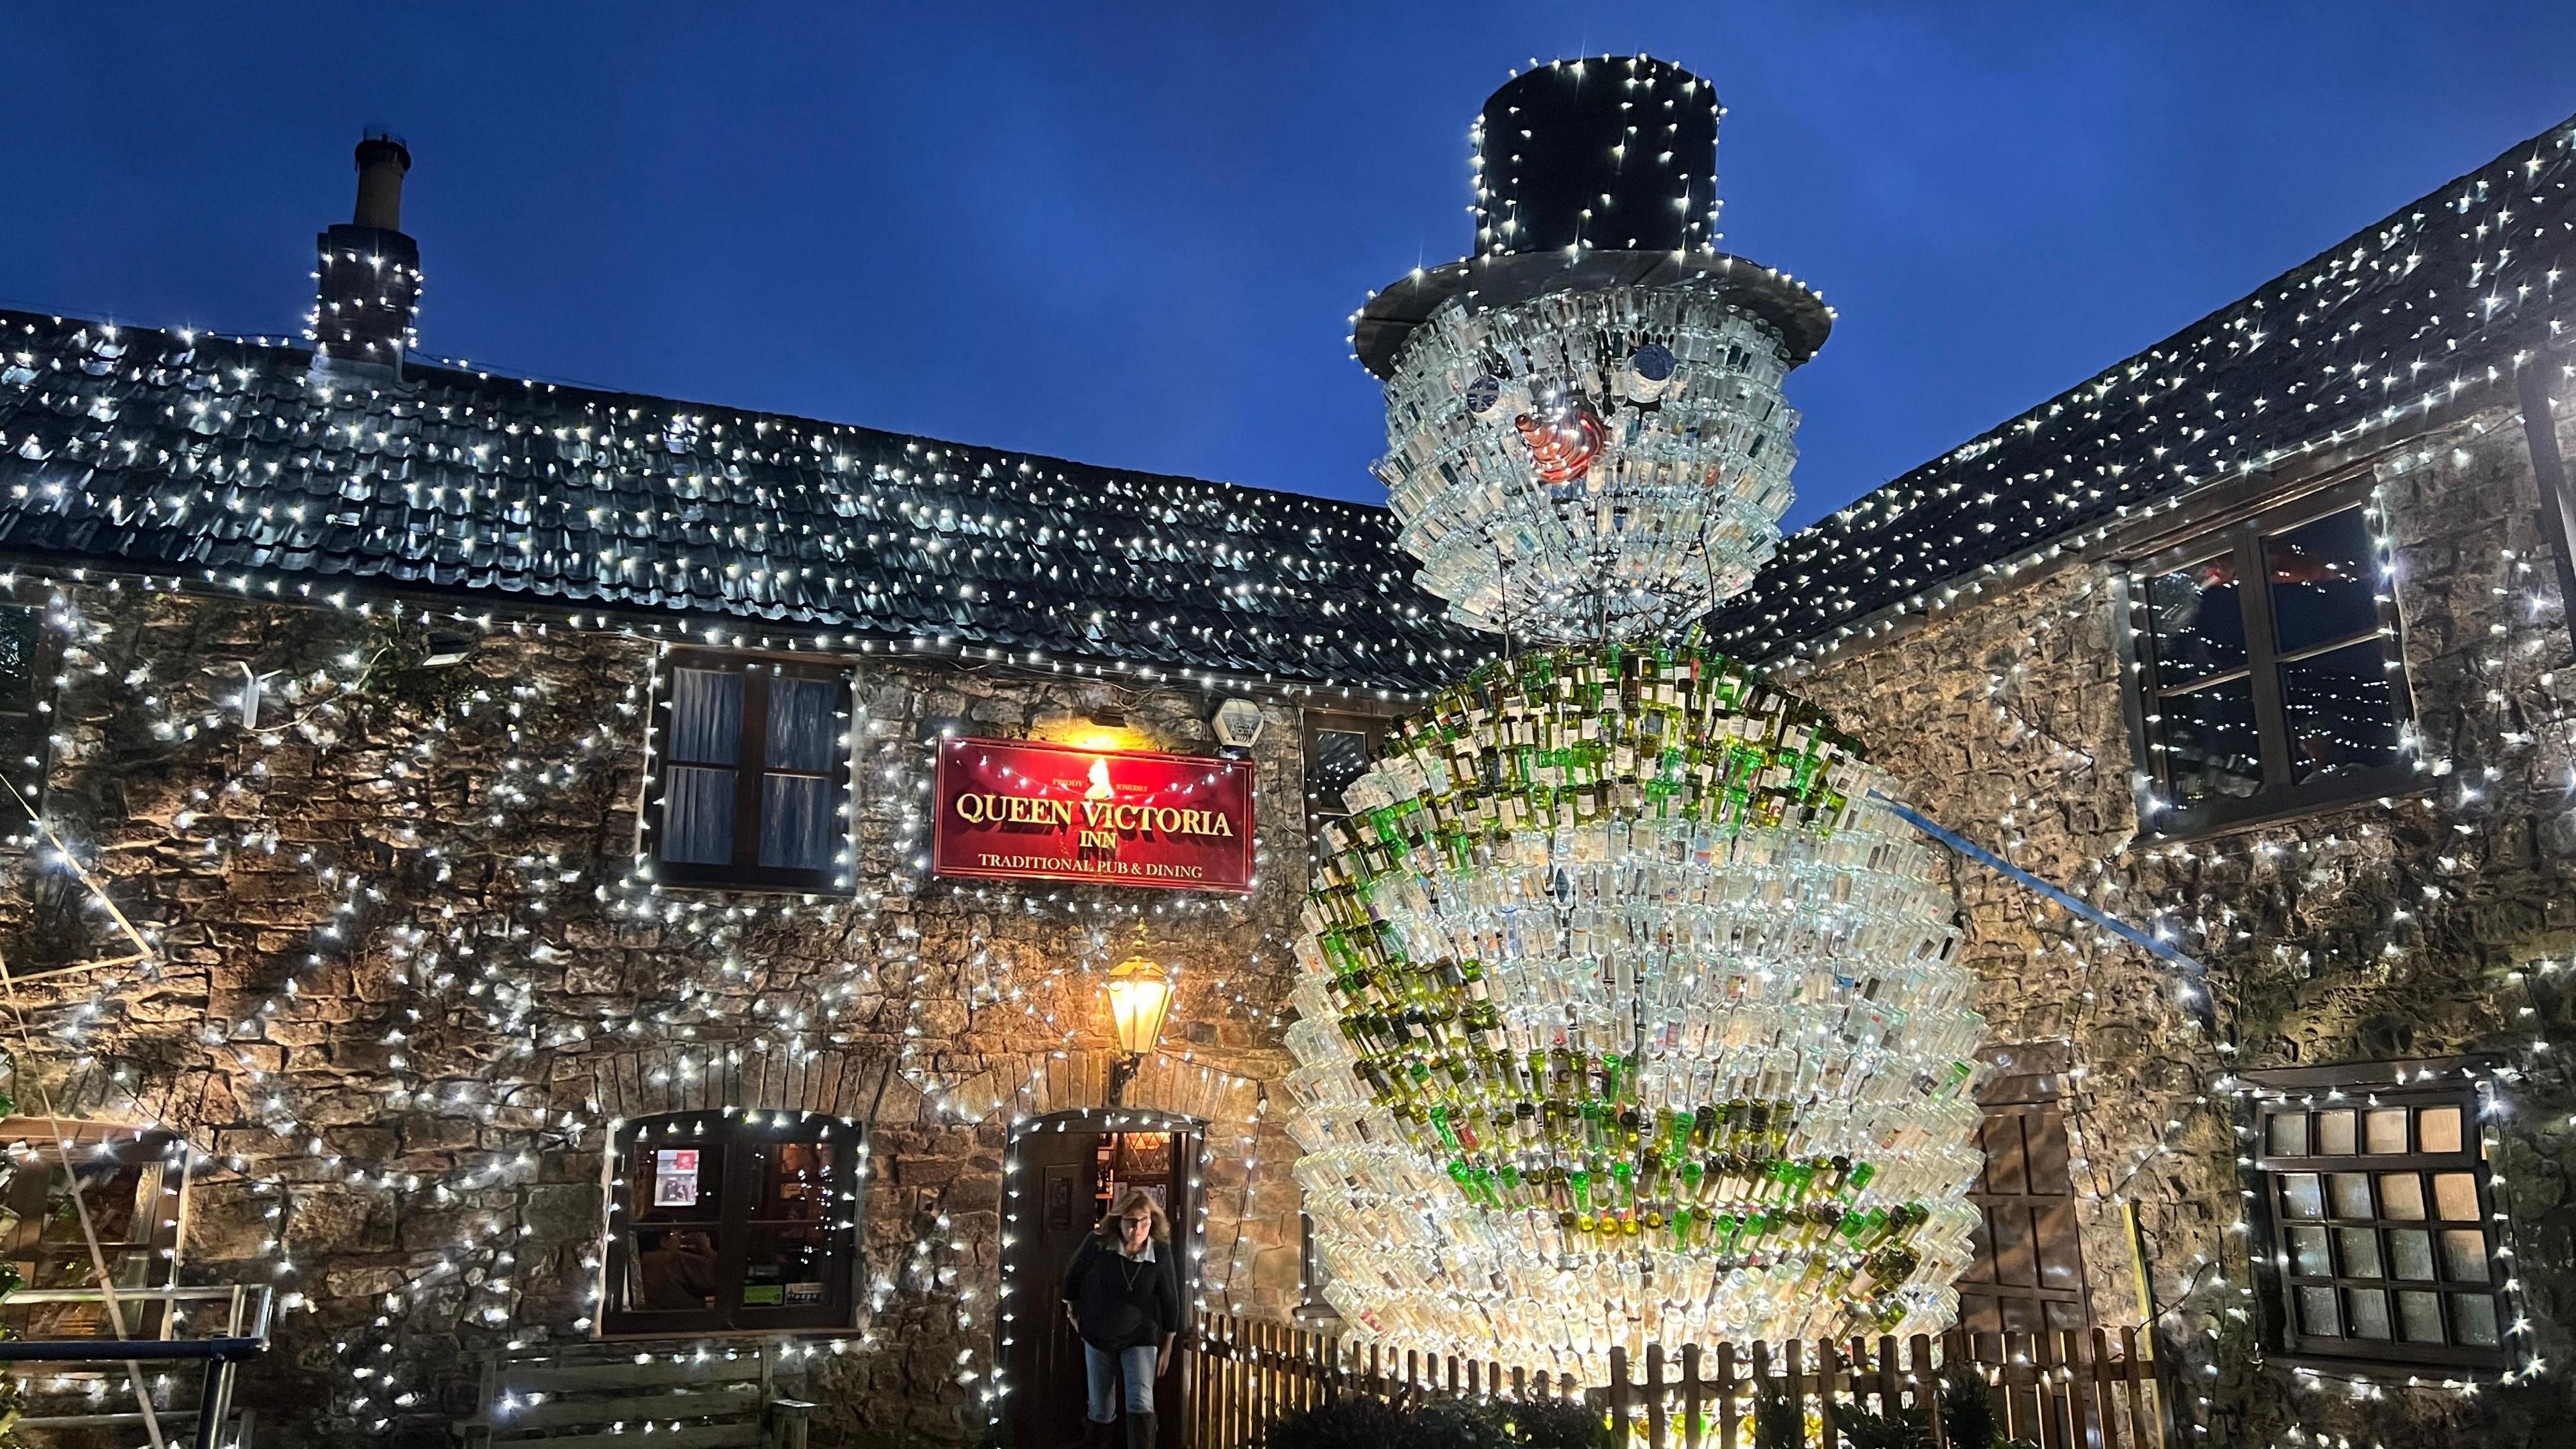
{"type": "Point", "coordinates": [318, 698]}
{"type": "Point", "coordinates": [2415, 318]}
{"type": "Point", "coordinates": [223, 818]}
{"type": "Point", "coordinates": [250, 812]}
{"type": "Point", "coordinates": [2514, 760]}
{"type": "Point", "coordinates": [915, 545]}
{"type": "Point", "coordinates": [451, 966]}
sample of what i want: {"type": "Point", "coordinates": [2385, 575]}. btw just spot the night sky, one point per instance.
{"type": "Point", "coordinates": [1134, 235]}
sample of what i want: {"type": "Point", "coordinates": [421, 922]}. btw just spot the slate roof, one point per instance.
{"type": "Point", "coordinates": [2440, 299]}
{"type": "Point", "coordinates": [232, 463]}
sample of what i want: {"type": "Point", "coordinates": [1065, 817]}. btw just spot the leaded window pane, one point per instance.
{"type": "Point", "coordinates": [2438, 1129]}
{"type": "Point", "coordinates": [2473, 1319]}
{"type": "Point", "coordinates": [2464, 1255]}
{"type": "Point", "coordinates": [2410, 1252]}
{"type": "Point", "coordinates": [2288, 1134]}
{"type": "Point", "coordinates": [2308, 1252]}
{"type": "Point", "coordinates": [2302, 1195]}
{"type": "Point", "coordinates": [2317, 1313]}
{"type": "Point", "coordinates": [2385, 1131]}
{"type": "Point", "coordinates": [2334, 1133]}
{"type": "Point", "coordinates": [2419, 1316]}
{"type": "Point", "coordinates": [2366, 1312]}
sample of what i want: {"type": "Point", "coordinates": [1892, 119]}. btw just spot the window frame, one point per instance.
{"type": "Point", "coordinates": [2360, 1088]}
{"type": "Point", "coordinates": [1371, 729]}
{"type": "Point", "coordinates": [750, 768]}
{"type": "Point", "coordinates": [32, 723]}
{"type": "Point", "coordinates": [2160, 810]}
{"type": "Point", "coordinates": [741, 1134]}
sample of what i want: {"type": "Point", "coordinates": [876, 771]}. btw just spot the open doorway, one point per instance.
{"type": "Point", "coordinates": [1066, 1169]}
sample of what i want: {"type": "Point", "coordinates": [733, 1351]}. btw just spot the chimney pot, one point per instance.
{"type": "Point", "coordinates": [382, 160]}
{"type": "Point", "coordinates": [368, 288]}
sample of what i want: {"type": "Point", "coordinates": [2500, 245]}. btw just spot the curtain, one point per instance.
{"type": "Point", "coordinates": [706, 716]}
{"type": "Point", "coordinates": [796, 821]}
{"type": "Point", "coordinates": [697, 815]}
{"type": "Point", "coordinates": [801, 728]}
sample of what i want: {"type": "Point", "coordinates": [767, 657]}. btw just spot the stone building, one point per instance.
{"type": "Point", "coordinates": [2259, 638]}
{"type": "Point", "coordinates": [465, 816]}
{"type": "Point", "coordinates": [453, 786]}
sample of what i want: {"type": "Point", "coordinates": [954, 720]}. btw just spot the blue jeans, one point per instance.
{"type": "Point", "coordinates": [1103, 1368]}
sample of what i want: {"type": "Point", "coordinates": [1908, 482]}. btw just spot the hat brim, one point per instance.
{"type": "Point", "coordinates": [1389, 319]}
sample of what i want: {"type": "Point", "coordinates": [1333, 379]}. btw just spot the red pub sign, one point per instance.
{"type": "Point", "coordinates": [1017, 810]}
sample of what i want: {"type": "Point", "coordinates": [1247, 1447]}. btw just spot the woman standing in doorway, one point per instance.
{"type": "Point", "coordinates": [1123, 1295]}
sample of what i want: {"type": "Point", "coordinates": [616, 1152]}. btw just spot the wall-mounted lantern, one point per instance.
{"type": "Point", "coordinates": [1140, 996]}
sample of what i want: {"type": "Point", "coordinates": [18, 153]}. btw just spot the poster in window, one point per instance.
{"type": "Point", "coordinates": [1059, 1197]}
{"type": "Point", "coordinates": [675, 1177]}
{"type": "Point", "coordinates": [801, 1293]}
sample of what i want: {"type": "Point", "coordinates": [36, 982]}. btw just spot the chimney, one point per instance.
{"type": "Point", "coordinates": [382, 160]}
{"type": "Point", "coordinates": [367, 289]}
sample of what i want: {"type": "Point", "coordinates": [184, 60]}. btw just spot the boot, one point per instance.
{"type": "Point", "coordinates": [1140, 1431]}
{"type": "Point", "coordinates": [1097, 1436]}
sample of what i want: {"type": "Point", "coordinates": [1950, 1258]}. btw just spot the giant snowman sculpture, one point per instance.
{"type": "Point", "coordinates": [1625, 1013]}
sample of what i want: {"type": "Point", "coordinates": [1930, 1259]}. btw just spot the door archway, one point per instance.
{"type": "Point", "coordinates": [1061, 1172]}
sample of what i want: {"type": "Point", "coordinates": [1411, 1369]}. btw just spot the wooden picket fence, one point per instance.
{"type": "Point", "coordinates": [2063, 1390]}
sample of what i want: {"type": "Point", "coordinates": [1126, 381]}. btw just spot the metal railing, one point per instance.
{"type": "Point", "coordinates": [2089, 1389]}
{"type": "Point", "coordinates": [244, 1335]}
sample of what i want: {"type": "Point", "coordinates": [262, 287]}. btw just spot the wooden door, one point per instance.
{"type": "Point", "coordinates": [1065, 1174]}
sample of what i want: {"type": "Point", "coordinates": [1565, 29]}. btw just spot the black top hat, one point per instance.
{"type": "Point", "coordinates": [1593, 174]}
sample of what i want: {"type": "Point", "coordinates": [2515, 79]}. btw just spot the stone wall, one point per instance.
{"type": "Point", "coordinates": [405, 975]}
{"type": "Point", "coordinates": [2386, 930]}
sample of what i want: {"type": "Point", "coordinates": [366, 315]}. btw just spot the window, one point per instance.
{"type": "Point", "coordinates": [2253, 703]}
{"type": "Point", "coordinates": [727, 1220]}
{"type": "Point", "coordinates": [134, 1182]}
{"type": "Point", "coordinates": [2383, 1222]}
{"type": "Point", "coordinates": [750, 778]}
{"type": "Point", "coordinates": [2028, 1274]}
{"type": "Point", "coordinates": [22, 725]}
{"type": "Point", "coordinates": [1339, 748]}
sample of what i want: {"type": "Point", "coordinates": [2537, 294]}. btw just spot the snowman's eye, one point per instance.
{"type": "Point", "coordinates": [1650, 372]}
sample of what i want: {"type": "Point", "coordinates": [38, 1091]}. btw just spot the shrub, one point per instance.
{"type": "Point", "coordinates": [1357, 1423]}
{"type": "Point", "coordinates": [1361, 1423]}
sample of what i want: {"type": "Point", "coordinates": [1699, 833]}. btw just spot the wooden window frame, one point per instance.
{"type": "Point", "coordinates": [23, 731]}
{"type": "Point", "coordinates": [2280, 796]}
{"type": "Point", "coordinates": [2359, 1088]}
{"type": "Point", "coordinates": [750, 768]}
{"type": "Point", "coordinates": [158, 1221]}
{"type": "Point", "coordinates": [1370, 728]}
{"type": "Point", "coordinates": [741, 1134]}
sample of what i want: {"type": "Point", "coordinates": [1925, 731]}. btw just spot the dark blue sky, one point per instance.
{"type": "Point", "coordinates": [1132, 235]}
